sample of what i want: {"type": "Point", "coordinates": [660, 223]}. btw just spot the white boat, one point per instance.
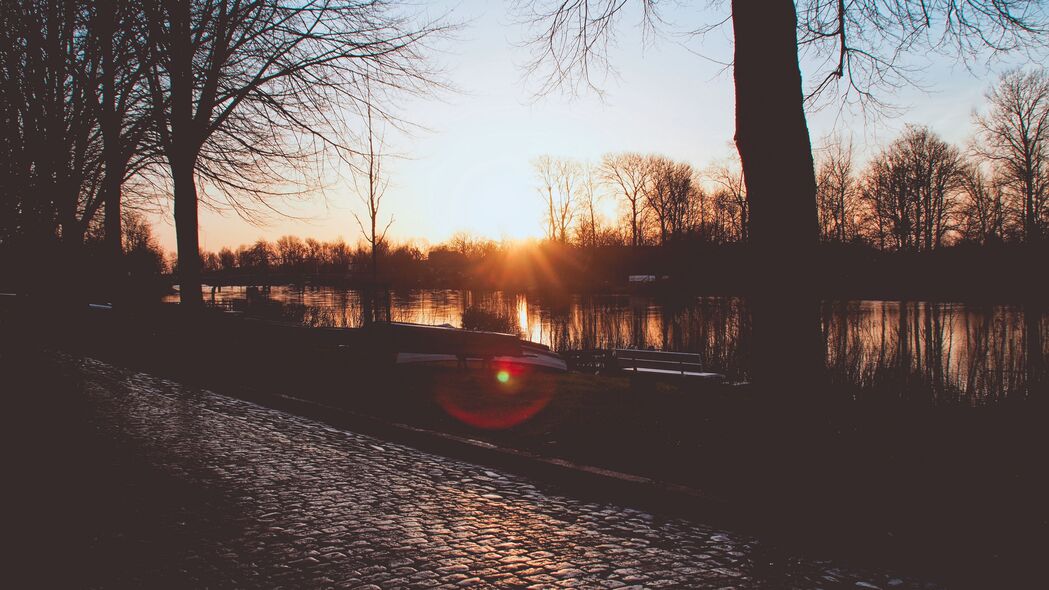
{"type": "Point", "coordinates": [532, 355]}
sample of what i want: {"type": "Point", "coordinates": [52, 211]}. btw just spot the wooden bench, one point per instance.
{"type": "Point", "coordinates": [657, 362]}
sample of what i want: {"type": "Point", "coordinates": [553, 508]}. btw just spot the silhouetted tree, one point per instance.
{"type": "Point", "coordinates": [51, 156]}
{"type": "Point", "coordinates": [589, 196]}
{"type": "Point", "coordinates": [142, 257]}
{"type": "Point", "coordinates": [732, 196]}
{"type": "Point", "coordinates": [983, 211]}
{"type": "Point", "coordinates": [912, 190]}
{"type": "Point", "coordinates": [669, 195]}
{"type": "Point", "coordinates": [373, 189]}
{"type": "Point", "coordinates": [1014, 137]}
{"type": "Point", "coordinates": [559, 180]}
{"type": "Point", "coordinates": [836, 192]}
{"type": "Point", "coordinates": [258, 256]}
{"type": "Point", "coordinates": [117, 33]}
{"type": "Point", "coordinates": [291, 251]}
{"type": "Point", "coordinates": [227, 259]}
{"type": "Point", "coordinates": [241, 90]}
{"type": "Point", "coordinates": [629, 174]}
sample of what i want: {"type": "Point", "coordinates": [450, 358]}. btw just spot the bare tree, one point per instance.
{"type": "Point", "coordinates": [886, 217]}
{"type": "Point", "coordinates": [373, 191]}
{"type": "Point", "coordinates": [658, 193]}
{"type": "Point", "coordinates": [629, 174]}
{"type": "Point", "coordinates": [243, 94]}
{"type": "Point", "coordinates": [559, 180]}
{"type": "Point", "coordinates": [728, 217]}
{"type": "Point", "coordinates": [291, 252]}
{"type": "Point", "coordinates": [669, 196]}
{"type": "Point", "coordinates": [51, 144]}
{"type": "Point", "coordinates": [227, 259]}
{"type": "Point", "coordinates": [732, 186]}
{"type": "Point", "coordinates": [836, 191]}
{"type": "Point", "coordinates": [116, 34]}
{"type": "Point", "coordinates": [589, 196]}
{"type": "Point", "coordinates": [983, 211]}
{"type": "Point", "coordinates": [912, 191]}
{"type": "Point", "coordinates": [1014, 136]}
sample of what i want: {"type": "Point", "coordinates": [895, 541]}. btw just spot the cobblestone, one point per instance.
{"type": "Point", "coordinates": [255, 497]}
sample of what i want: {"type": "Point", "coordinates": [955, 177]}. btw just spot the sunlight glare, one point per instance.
{"type": "Point", "coordinates": [522, 314]}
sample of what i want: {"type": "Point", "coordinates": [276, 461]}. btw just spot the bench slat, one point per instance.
{"type": "Point", "coordinates": [699, 374]}
{"type": "Point", "coordinates": [656, 355]}
{"type": "Point", "coordinates": [649, 364]}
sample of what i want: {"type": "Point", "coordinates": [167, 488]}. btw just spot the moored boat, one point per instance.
{"type": "Point", "coordinates": [422, 344]}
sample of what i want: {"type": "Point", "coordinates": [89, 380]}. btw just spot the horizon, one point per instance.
{"type": "Point", "coordinates": [470, 169]}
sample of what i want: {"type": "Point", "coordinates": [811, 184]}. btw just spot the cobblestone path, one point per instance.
{"type": "Point", "coordinates": [219, 492]}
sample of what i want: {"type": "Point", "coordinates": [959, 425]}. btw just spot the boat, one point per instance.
{"type": "Point", "coordinates": [424, 344]}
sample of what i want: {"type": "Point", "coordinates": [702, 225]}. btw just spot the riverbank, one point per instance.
{"type": "Point", "coordinates": [996, 273]}
{"type": "Point", "coordinates": [951, 488]}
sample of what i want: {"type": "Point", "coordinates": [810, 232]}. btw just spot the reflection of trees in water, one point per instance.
{"type": "Point", "coordinates": [709, 326]}
{"type": "Point", "coordinates": [933, 352]}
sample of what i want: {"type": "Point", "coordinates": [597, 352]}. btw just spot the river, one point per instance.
{"type": "Point", "coordinates": [944, 353]}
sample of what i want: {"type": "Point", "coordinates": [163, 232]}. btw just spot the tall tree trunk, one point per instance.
{"type": "Point", "coordinates": [183, 149]}
{"type": "Point", "coordinates": [633, 222]}
{"type": "Point", "coordinates": [111, 149]}
{"type": "Point", "coordinates": [1031, 233]}
{"type": "Point", "coordinates": [773, 142]}
{"type": "Point", "coordinates": [187, 234]}
{"type": "Point", "coordinates": [375, 253]}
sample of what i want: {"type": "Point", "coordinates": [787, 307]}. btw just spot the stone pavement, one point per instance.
{"type": "Point", "coordinates": [196, 489]}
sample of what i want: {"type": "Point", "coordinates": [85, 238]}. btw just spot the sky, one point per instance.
{"type": "Point", "coordinates": [469, 167]}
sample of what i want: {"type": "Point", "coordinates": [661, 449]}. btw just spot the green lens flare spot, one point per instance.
{"type": "Point", "coordinates": [503, 376]}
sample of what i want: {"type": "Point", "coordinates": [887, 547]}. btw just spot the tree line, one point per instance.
{"type": "Point", "coordinates": [660, 201]}
{"type": "Point", "coordinates": [917, 194]}
{"type": "Point", "coordinates": [111, 105]}
{"type": "Point", "coordinates": [921, 193]}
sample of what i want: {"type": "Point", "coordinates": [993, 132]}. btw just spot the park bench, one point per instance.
{"type": "Point", "coordinates": [657, 362]}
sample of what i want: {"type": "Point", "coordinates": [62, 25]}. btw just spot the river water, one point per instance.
{"type": "Point", "coordinates": [939, 352]}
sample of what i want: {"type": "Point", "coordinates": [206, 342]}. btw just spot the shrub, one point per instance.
{"type": "Point", "coordinates": [476, 318]}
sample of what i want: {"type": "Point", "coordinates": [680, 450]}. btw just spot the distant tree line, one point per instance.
{"type": "Point", "coordinates": [918, 193]}
{"type": "Point", "coordinates": [661, 201]}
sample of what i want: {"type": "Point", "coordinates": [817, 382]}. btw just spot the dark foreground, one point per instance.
{"type": "Point", "coordinates": [955, 494]}
{"type": "Point", "coordinates": [155, 484]}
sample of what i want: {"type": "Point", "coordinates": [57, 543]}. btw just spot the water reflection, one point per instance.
{"type": "Point", "coordinates": [925, 351]}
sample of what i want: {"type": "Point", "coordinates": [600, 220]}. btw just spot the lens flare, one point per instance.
{"type": "Point", "coordinates": [496, 397]}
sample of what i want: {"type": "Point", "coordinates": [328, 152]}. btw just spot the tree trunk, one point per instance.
{"type": "Point", "coordinates": [773, 142]}
{"type": "Point", "coordinates": [187, 235]}
{"type": "Point", "coordinates": [114, 248]}
{"type": "Point", "coordinates": [182, 150]}
{"type": "Point", "coordinates": [1031, 233]}
{"type": "Point", "coordinates": [633, 221]}
{"type": "Point", "coordinates": [111, 150]}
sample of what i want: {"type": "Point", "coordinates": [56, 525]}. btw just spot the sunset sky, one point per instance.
{"type": "Point", "coordinates": [470, 170]}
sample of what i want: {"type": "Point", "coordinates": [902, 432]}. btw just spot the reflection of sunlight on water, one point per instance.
{"type": "Point", "coordinates": [522, 314]}
{"type": "Point", "coordinates": [953, 352]}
